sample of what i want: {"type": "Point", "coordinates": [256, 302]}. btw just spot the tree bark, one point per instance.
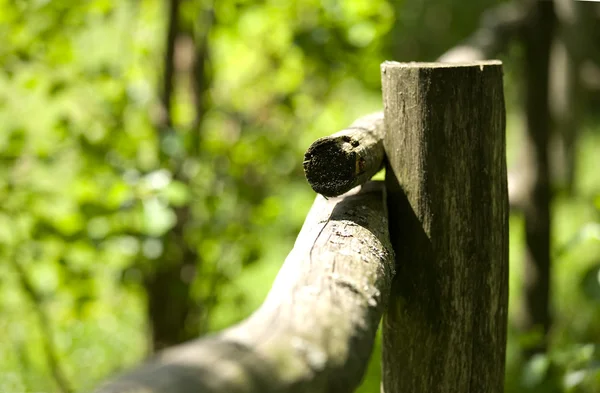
{"type": "Point", "coordinates": [174, 315]}
{"type": "Point", "coordinates": [168, 296]}
{"type": "Point", "coordinates": [566, 57]}
{"type": "Point", "coordinates": [169, 65]}
{"type": "Point", "coordinates": [315, 330]}
{"type": "Point", "coordinates": [445, 328]}
{"type": "Point", "coordinates": [535, 313]}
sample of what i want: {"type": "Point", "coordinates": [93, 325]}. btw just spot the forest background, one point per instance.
{"type": "Point", "coordinates": [152, 184]}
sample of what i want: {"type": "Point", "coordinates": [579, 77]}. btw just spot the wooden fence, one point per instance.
{"type": "Point", "coordinates": [427, 249]}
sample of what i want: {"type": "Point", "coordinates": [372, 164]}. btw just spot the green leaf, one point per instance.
{"type": "Point", "coordinates": [590, 283]}
{"type": "Point", "coordinates": [69, 223]}
{"type": "Point", "coordinates": [536, 370]}
{"type": "Point", "coordinates": [176, 193]}
{"type": "Point", "coordinates": [588, 232]}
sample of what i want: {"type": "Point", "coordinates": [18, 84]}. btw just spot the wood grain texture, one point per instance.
{"type": "Point", "coordinates": [315, 330]}
{"type": "Point", "coordinates": [337, 163]}
{"type": "Point", "coordinates": [445, 329]}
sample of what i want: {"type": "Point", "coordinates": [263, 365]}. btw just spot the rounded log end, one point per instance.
{"type": "Point", "coordinates": [331, 165]}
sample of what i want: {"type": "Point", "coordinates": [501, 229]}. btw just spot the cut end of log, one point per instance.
{"type": "Point", "coordinates": [337, 163]}
{"type": "Point", "coordinates": [418, 65]}
{"type": "Point", "coordinates": [337, 173]}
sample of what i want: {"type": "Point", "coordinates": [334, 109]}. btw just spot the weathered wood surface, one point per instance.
{"type": "Point", "coordinates": [445, 328]}
{"type": "Point", "coordinates": [315, 330]}
{"type": "Point", "coordinates": [339, 162]}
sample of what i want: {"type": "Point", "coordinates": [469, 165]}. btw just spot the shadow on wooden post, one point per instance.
{"type": "Point", "coordinates": [445, 330]}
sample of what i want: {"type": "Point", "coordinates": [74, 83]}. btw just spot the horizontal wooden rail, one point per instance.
{"type": "Point", "coordinates": [315, 330]}
{"type": "Point", "coordinates": [339, 162]}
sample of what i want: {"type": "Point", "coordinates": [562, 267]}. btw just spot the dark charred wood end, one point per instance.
{"type": "Point", "coordinates": [332, 164]}
{"type": "Point", "coordinates": [337, 163]}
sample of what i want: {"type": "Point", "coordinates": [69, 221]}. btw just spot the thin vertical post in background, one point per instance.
{"type": "Point", "coordinates": [445, 329]}
{"type": "Point", "coordinates": [535, 316]}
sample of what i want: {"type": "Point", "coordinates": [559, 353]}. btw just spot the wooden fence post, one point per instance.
{"type": "Point", "coordinates": [445, 329]}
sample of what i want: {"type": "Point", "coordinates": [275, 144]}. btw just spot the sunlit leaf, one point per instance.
{"type": "Point", "coordinates": [158, 217]}
{"type": "Point", "coordinates": [590, 283]}
{"type": "Point", "coordinates": [152, 248]}
{"type": "Point", "coordinates": [361, 34]}
{"type": "Point", "coordinates": [158, 180]}
{"type": "Point", "coordinates": [589, 232]}
{"type": "Point", "coordinates": [176, 193]}
{"type": "Point", "coordinates": [536, 370]}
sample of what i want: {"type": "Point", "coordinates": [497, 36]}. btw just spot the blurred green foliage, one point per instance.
{"type": "Point", "coordinates": [91, 189]}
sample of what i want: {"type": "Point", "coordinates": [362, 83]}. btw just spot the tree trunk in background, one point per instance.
{"type": "Point", "coordinates": [537, 194]}
{"type": "Point", "coordinates": [173, 313]}
{"type": "Point", "coordinates": [568, 52]}
{"type": "Point", "coordinates": [168, 290]}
